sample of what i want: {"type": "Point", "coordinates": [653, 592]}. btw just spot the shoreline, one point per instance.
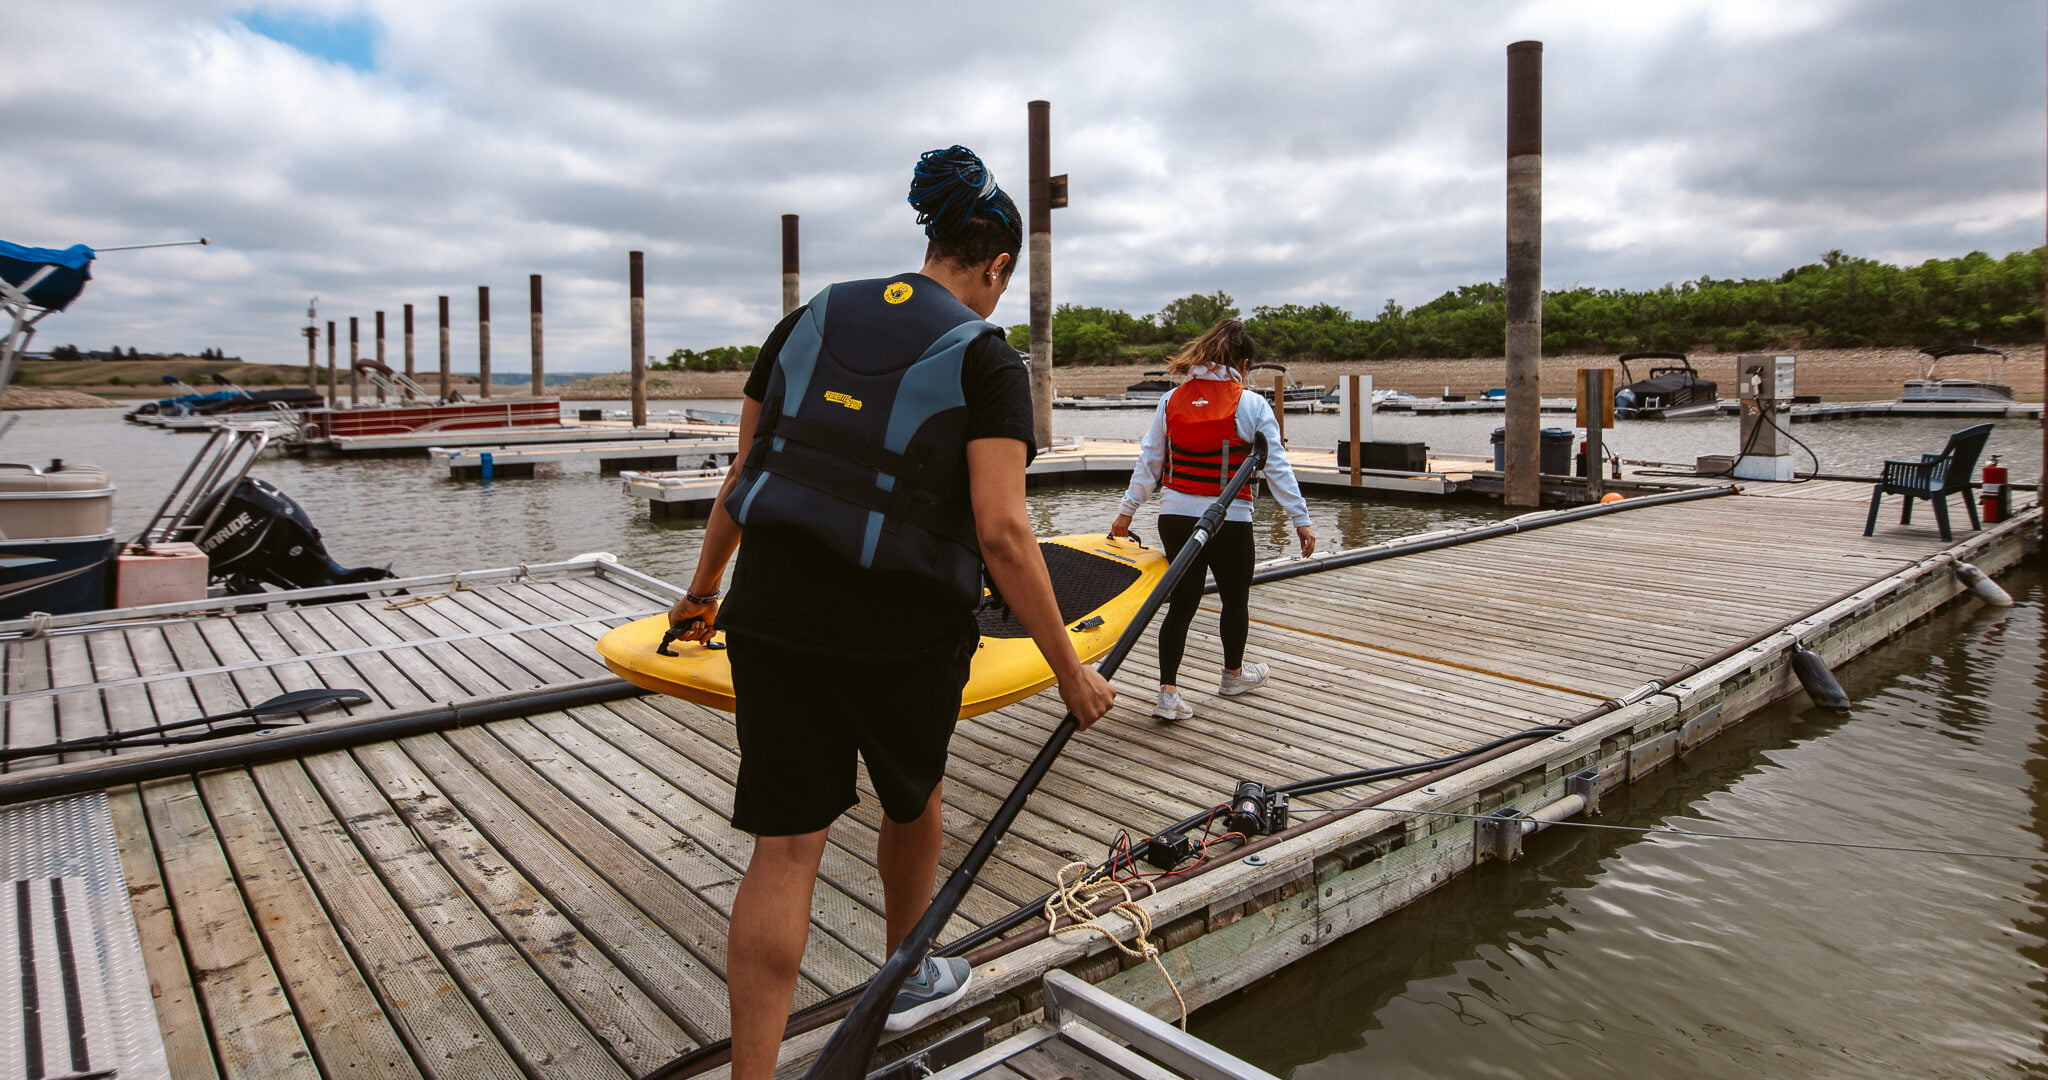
{"type": "Point", "coordinates": [1834, 374]}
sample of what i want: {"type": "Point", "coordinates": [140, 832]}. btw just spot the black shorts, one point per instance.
{"type": "Point", "coordinates": [803, 716]}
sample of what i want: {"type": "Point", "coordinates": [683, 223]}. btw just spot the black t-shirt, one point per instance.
{"type": "Point", "coordinates": [789, 587]}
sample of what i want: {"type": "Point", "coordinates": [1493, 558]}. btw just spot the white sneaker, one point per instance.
{"type": "Point", "coordinates": [1172, 707]}
{"type": "Point", "coordinates": [1251, 677]}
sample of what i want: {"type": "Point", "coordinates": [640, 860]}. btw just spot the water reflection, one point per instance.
{"type": "Point", "coordinates": [1603, 954]}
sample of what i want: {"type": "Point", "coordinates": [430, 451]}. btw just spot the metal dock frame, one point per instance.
{"type": "Point", "coordinates": [1084, 1018]}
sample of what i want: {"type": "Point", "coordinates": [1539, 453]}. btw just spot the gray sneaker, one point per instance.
{"type": "Point", "coordinates": [1250, 677]}
{"type": "Point", "coordinates": [1172, 707]}
{"type": "Point", "coordinates": [937, 985]}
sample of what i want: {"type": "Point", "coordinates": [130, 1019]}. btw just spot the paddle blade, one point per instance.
{"type": "Point", "coordinates": [302, 700]}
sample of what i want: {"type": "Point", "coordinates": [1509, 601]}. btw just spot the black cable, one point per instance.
{"type": "Point", "coordinates": [1313, 786]}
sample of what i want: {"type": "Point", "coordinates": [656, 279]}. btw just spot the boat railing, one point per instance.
{"type": "Point", "coordinates": [226, 458]}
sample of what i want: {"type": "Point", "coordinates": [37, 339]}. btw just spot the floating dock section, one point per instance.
{"type": "Point", "coordinates": [508, 863]}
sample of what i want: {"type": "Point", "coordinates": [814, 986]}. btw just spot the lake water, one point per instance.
{"type": "Point", "coordinates": [1608, 954]}
{"type": "Point", "coordinates": [1598, 954]}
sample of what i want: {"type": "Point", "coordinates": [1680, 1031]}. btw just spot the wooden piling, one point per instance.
{"type": "Point", "coordinates": [312, 356]}
{"type": "Point", "coordinates": [355, 353]}
{"type": "Point", "coordinates": [483, 340]}
{"type": "Point", "coordinates": [446, 388]}
{"type": "Point", "coordinates": [792, 298]}
{"type": "Point", "coordinates": [333, 393]}
{"type": "Point", "coordinates": [1521, 485]}
{"type": "Point", "coordinates": [1280, 405]}
{"type": "Point", "coordinates": [1038, 130]}
{"type": "Point", "coordinates": [380, 354]}
{"type": "Point", "coordinates": [533, 304]}
{"type": "Point", "coordinates": [637, 317]}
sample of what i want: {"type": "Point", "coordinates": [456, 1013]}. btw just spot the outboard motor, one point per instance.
{"type": "Point", "coordinates": [264, 537]}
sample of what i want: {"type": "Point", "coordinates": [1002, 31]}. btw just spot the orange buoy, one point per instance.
{"type": "Point", "coordinates": [1612, 496]}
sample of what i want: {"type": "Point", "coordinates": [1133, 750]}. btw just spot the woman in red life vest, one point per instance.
{"type": "Point", "coordinates": [1200, 435]}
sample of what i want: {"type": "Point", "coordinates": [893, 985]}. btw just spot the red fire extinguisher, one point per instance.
{"type": "Point", "coordinates": [1996, 504]}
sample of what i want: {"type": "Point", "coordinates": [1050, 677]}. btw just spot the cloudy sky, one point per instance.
{"type": "Point", "coordinates": [380, 152]}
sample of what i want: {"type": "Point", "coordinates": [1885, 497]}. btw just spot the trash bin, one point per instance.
{"type": "Point", "coordinates": [589, 414]}
{"type": "Point", "coordinates": [1554, 456]}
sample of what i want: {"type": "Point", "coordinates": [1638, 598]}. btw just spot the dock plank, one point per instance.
{"type": "Point", "coordinates": [535, 1024]}
{"type": "Point", "coordinates": [344, 1024]}
{"type": "Point", "coordinates": [187, 1044]}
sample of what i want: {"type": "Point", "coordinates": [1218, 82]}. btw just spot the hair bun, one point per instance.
{"type": "Point", "coordinates": [950, 186]}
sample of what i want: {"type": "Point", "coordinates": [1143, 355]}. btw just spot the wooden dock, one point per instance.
{"type": "Point", "coordinates": [660, 452]}
{"type": "Point", "coordinates": [545, 894]}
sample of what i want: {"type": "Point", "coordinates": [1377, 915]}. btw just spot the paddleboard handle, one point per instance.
{"type": "Point", "coordinates": [669, 636]}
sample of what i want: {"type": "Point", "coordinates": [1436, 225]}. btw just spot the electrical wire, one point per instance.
{"type": "Point", "coordinates": [1124, 853]}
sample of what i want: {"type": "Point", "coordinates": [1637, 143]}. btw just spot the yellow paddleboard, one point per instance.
{"type": "Point", "coordinates": [1100, 582]}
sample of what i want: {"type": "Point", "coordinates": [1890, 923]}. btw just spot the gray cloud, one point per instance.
{"type": "Point", "coordinates": [1304, 152]}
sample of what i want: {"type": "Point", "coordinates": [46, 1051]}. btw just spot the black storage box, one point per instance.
{"type": "Point", "coordinates": [1386, 454]}
{"type": "Point", "coordinates": [1554, 452]}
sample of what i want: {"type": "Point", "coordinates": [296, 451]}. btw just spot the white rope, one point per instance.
{"type": "Point", "coordinates": [1071, 899]}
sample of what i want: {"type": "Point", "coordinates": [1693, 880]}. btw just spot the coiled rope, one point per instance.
{"type": "Point", "coordinates": [1071, 899]}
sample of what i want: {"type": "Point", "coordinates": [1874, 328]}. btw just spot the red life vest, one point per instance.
{"type": "Point", "coordinates": [1202, 447]}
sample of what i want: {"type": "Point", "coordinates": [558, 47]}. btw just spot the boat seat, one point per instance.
{"type": "Point", "coordinates": [1934, 477]}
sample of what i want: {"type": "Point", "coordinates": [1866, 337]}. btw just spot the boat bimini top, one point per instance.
{"type": "Point", "coordinates": [1936, 353]}
{"type": "Point", "coordinates": [33, 283]}
{"type": "Point", "coordinates": [45, 277]}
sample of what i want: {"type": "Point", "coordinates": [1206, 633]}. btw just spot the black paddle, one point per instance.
{"type": "Point", "coordinates": [296, 701]}
{"type": "Point", "coordinates": [852, 1046]}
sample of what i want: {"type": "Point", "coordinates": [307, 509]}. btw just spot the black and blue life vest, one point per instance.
{"type": "Point", "coordinates": [862, 439]}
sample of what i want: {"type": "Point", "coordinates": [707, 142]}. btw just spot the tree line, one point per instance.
{"type": "Point", "coordinates": [1842, 301]}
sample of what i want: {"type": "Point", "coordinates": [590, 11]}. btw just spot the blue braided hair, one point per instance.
{"type": "Point", "coordinates": [951, 187]}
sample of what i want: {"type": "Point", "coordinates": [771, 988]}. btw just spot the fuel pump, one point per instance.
{"type": "Point", "coordinates": [1765, 387]}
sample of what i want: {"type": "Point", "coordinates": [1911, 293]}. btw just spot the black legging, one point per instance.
{"type": "Point", "coordinates": [1228, 555]}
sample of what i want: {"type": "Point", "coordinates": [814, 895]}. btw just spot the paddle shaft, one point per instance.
{"type": "Point", "coordinates": [296, 701]}
{"type": "Point", "coordinates": [852, 1046]}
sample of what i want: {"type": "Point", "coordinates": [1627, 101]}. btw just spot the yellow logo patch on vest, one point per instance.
{"type": "Point", "coordinates": [896, 293]}
{"type": "Point", "coordinates": [848, 400]}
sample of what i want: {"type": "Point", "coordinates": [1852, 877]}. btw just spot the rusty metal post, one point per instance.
{"type": "Point", "coordinates": [355, 353]}
{"type": "Point", "coordinates": [333, 391]}
{"type": "Point", "coordinates": [1039, 139]}
{"type": "Point", "coordinates": [313, 357]}
{"type": "Point", "coordinates": [540, 380]}
{"type": "Point", "coordinates": [792, 298]}
{"type": "Point", "coordinates": [1596, 413]}
{"type": "Point", "coordinates": [408, 348]}
{"type": "Point", "coordinates": [380, 354]}
{"type": "Point", "coordinates": [1522, 484]}
{"type": "Point", "coordinates": [1359, 397]}
{"type": "Point", "coordinates": [637, 315]}
{"type": "Point", "coordinates": [446, 388]}
{"type": "Point", "coordinates": [483, 341]}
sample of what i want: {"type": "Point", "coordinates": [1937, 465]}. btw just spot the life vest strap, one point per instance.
{"type": "Point", "coordinates": [898, 506]}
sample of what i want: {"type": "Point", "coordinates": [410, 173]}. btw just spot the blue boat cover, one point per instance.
{"type": "Point", "coordinates": [18, 264]}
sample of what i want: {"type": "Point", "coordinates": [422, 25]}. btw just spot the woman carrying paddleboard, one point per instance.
{"type": "Point", "coordinates": [1199, 435]}
{"type": "Point", "coordinates": [880, 467]}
